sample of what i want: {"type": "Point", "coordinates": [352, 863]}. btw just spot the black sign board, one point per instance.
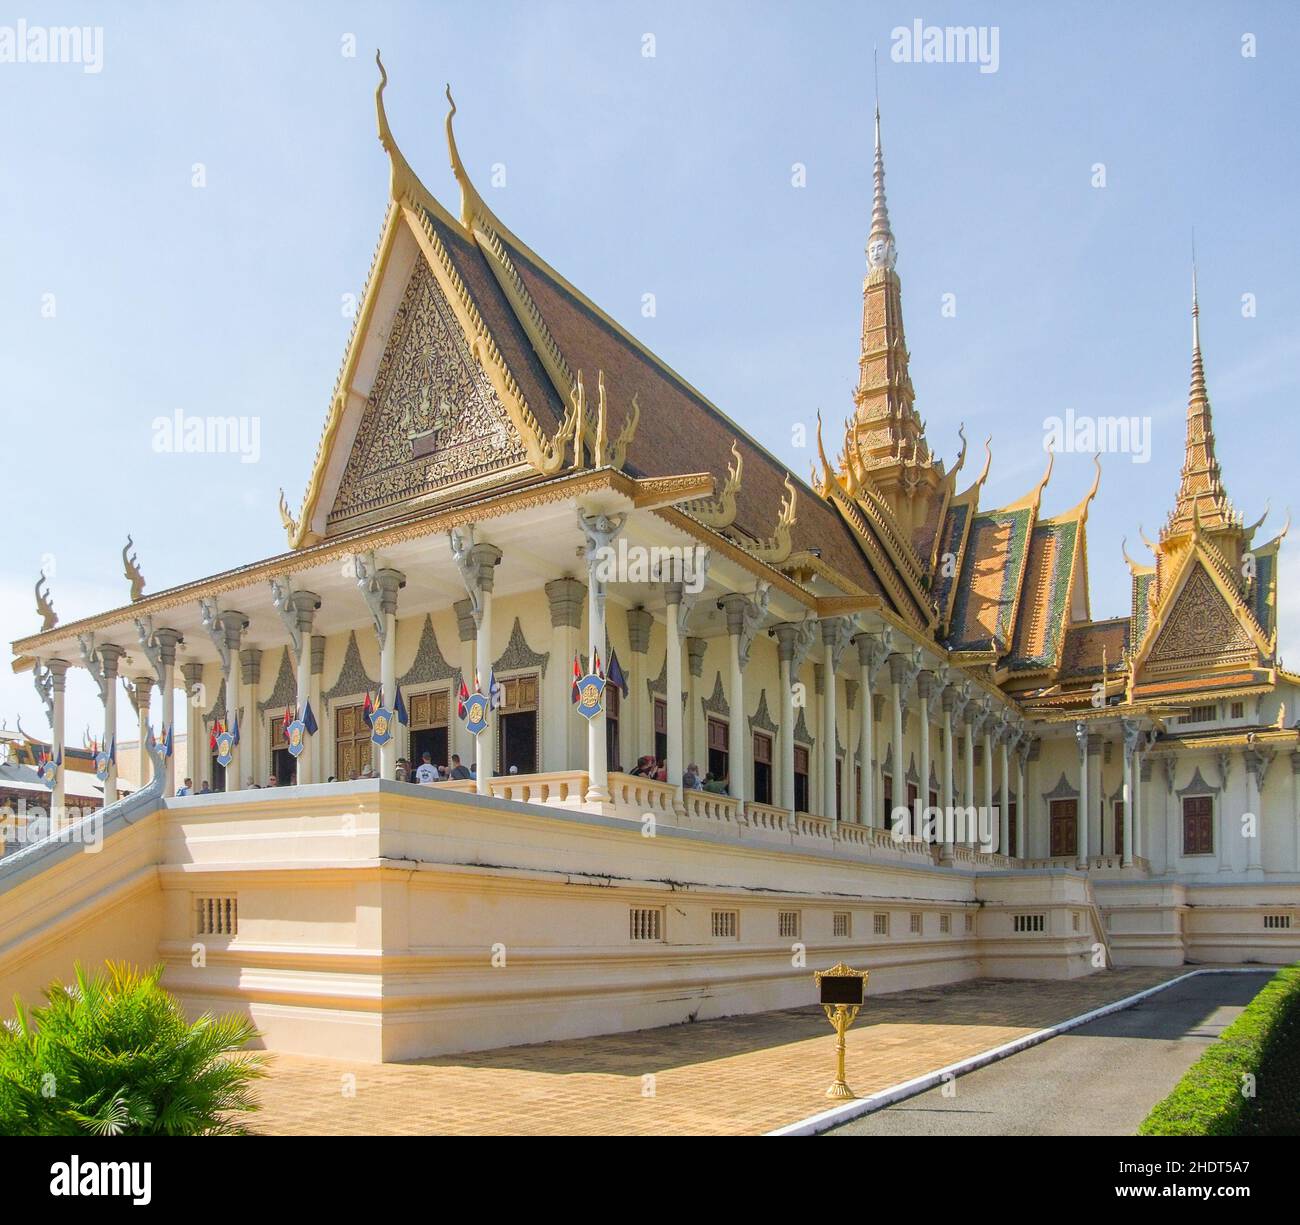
{"type": "Point", "coordinates": [841, 989]}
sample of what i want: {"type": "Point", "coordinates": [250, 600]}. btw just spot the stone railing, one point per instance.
{"type": "Point", "coordinates": [706, 806]}
{"type": "Point", "coordinates": [567, 787]}
{"type": "Point", "coordinates": [643, 794]}
{"type": "Point", "coordinates": [766, 817]}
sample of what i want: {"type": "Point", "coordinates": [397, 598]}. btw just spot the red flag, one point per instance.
{"type": "Point", "coordinates": [461, 699]}
{"type": "Point", "coordinates": [217, 729]}
{"type": "Point", "coordinates": [595, 663]}
{"type": "Point", "coordinates": [577, 676]}
{"type": "Point", "coordinates": [368, 708]}
{"type": "Point", "coordinates": [288, 718]}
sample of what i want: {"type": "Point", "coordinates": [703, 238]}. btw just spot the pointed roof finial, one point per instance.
{"type": "Point", "coordinates": [881, 251]}
{"type": "Point", "coordinates": [1198, 366]}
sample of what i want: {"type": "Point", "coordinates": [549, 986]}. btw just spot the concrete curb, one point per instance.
{"type": "Point", "coordinates": [910, 1088]}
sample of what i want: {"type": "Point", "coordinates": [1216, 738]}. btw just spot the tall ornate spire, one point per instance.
{"type": "Point", "coordinates": [1200, 490]}
{"type": "Point", "coordinates": [886, 438]}
{"type": "Point", "coordinates": [881, 252]}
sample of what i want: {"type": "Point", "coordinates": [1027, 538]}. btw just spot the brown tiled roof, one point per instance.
{"type": "Point", "coordinates": [1039, 636]}
{"type": "Point", "coordinates": [1084, 644]}
{"type": "Point", "coordinates": [540, 393]}
{"type": "Point", "coordinates": [989, 583]}
{"type": "Point", "coordinates": [1230, 681]}
{"type": "Point", "coordinates": [680, 431]}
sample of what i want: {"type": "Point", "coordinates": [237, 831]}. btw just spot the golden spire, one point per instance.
{"type": "Point", "coordinates": [1201, 495]}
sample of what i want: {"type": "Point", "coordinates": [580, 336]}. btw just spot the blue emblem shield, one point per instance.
{"type": "Point", "coordinates": [591, 688]}
{"type": "Point", "coordinates": [101, 766]}
{"type": "Point", "coordinates": [381, 725]}
{"type": "Point", "coordinates": [296, 737]}
{"type": "Point", "coordinates": [225, 748]}
{"type": "Point", "coordinates": [49, 773]}
{"type": "Point", "coordinates": [476, 712]}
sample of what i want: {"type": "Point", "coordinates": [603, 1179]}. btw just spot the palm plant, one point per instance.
{"type": "Point", "coordinates": [113, 1054]}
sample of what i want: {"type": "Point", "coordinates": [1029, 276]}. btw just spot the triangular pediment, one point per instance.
{"type": "Point", "coordinates": [432, 417]}
{"type": "Point", "coordinates": [1201, 629]}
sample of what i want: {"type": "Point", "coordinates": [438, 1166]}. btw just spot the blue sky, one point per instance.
{"type": "Point", "coordinates": [631, 174]}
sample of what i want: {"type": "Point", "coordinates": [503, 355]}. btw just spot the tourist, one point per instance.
{"type": "Point", "coordinates": [691, 779]}
{"type": "Point", "coordinates": [514, 770]}
{"type": "Point", "coordinates": [426, 772]}
{"type": "Point", "coordinates": [249, 785]}
{"type": "Point", "coordinates": [644, 767]}
{"type": "Point", "coordinates": [717, 786]}
{"type": "Point", "coordinates": [458, 770]}
{"type": "Point", "coordinates": [205, 789]}
{"type": "Point", "coordinates": [188, 789]}
{"type": "Point", "coordinates": [272, 781]}
{"type": "Point", "coordinates": [366, 771]}
{"type": "Point", "coordinates": [661, 772]}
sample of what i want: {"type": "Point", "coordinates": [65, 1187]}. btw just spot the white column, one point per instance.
{"type": "Point", "coordinates": [739, 733]}
{"type": "Point", "coordinates": [58, 672]}
{"type": "Point", "coordinates": [971, 718]}
{"type": "Point", "coordinates": [319, 746]}
{"type": "Point", "coordinates": [1130, 733]}
{"type": "Point", "coordinates": [1257, 764]}
{"type": "Point", "coordinates": [460, 741]}
{"type": "Point", "coordinates": [303, 606]}
{"type": "Point", "coordinates": [247, 762]}
{"type": "Point", "coordinates": [639, 621]}
{"type": "Point", "coordinates": [1081, 836]}
{"type": "Point", "coordinates": [830, 736]}
{"type": "Point", "coordinates": [226, 630]}
{"type": "Point", "coordinates": [673, 689]}
{"type": "Point", "coordinates": [1005, 815]}
{"type": "Point", "coordinates": [597, 737]}
{"type": "Point", "coordinates": [390, 582]}
{"type": "Point", "coordinates": [167, 640]}
{"type": "Point", "coordinates": [599, 531]}
{"type": "Point", "coordinates": [897, 676]}
{"type": "Point", "coordinates": [696, 732]}
{"type": "Point", "coordinates": [566, 597]}
{"type": "Point", "coordinates": [866, 645]}
{"type": "Point", "coordinates": [988, 766]}
{"type": "Point", "coordinates": [785, 652]}
{"type": "Point", "coordinates": [1022, 802]}
{"type": "Point", "coordinates": [947, 701]}
{"type": "Point", "coordinates": [924, 689]}
{"type": "Point", "coordinates": [193, 673]}
{"type": "Point", "coordinates": [110, 656]}
{"type": "Point", "coordinates": [143, 690]}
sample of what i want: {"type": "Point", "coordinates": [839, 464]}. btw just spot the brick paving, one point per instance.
{"type": "Point", "coordinates": [736, 1076]}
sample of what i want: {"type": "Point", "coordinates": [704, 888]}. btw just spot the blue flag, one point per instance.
{"type": "Point", "coordinates": [615, 675]}
{"type": "Point", "coordinates": [399, 709]}
{"type": "Point", "coordinates": [309, 720]}
{"type": "Point", "coordinates": [234, 729]}
{"type": "Point", "coordinates": [167, 741]}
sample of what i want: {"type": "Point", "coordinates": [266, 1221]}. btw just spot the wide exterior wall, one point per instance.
{"type": "Point", "coordinates": [94, 904]}
{"type": "Point", "coordinates": [1166, 923]}
{"type": "Point", "coordinates": [381, 921]}
{"type": "Point", "coordinates": [1196, 772]}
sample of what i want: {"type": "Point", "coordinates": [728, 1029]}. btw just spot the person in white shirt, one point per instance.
{"type": "Point", "coordinates": [426, 772]}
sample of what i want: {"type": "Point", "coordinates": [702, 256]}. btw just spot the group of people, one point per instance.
{"type": "Point", "coordinates": [648, 767]}
{"type": "Point", "coordinates": [428, 772]}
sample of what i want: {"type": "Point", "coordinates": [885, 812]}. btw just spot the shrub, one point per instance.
{"type": "Point", "coordinates": [114, 1055]}
{"type": "Point", "coordinates": [1263, 1043]}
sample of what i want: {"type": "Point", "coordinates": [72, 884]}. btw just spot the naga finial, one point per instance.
{"type": "Point", "coordinates": [286, 517]}
{"type": "Point", "coordinates": [131, 569]}
{"type": "Point", "coordinates": [44, 608]}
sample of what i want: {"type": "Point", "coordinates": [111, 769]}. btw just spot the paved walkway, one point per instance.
{"type": "Point", "coordinates": [1101, 1079]}
{"type": "Point", "coordinates": [740, 1075]}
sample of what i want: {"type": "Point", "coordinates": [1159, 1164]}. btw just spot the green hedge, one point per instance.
{"type": "Point", "coordinates": [1264, 1042]}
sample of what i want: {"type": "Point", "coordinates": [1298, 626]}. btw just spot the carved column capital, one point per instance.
{"type": "Point", "coordinates": [566, 596]}
{"type": "Point", "coordinates": [639, 621]}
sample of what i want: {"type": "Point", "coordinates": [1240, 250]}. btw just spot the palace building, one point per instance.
{"type": "Point", "coordinates": [512, 497]}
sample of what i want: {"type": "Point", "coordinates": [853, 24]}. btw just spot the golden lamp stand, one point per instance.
{"type": "Point", "coordinates": [842, 990]}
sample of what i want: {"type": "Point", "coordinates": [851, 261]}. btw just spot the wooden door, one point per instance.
{"type": "Point", "coordinates": [1064, 827]}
